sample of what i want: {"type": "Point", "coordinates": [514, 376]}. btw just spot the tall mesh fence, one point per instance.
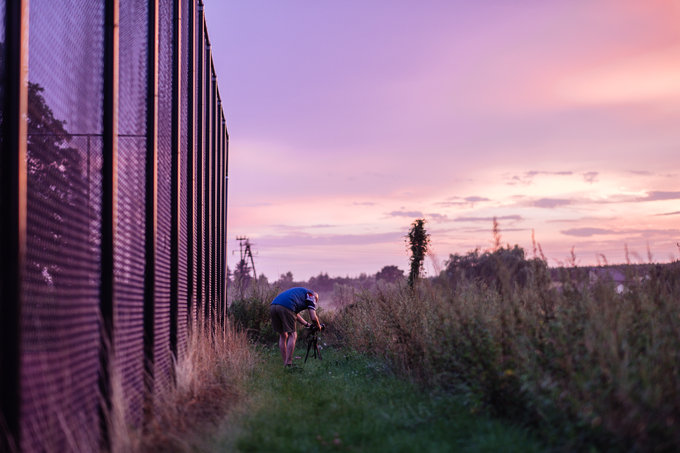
{"type": "Point", "coordinates": [168, 212]}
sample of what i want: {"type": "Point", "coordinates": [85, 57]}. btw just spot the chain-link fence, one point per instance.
{"type": "Point", "coordinates": [113, 210]}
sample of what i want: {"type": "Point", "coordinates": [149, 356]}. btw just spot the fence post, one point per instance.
{"type": "Point", "coordinates": [225, 176]}
{"type": "Point", "coordinates": [206, 185]}
{"type": "Point", "coordinates": [207, 175]}
{"type": "Point", "coordinates": [191, 163]}
{"type": "Point", "coordinates": [213, 193]}
{"type": "Point", "coordinates": [151, 200]}
{"type": "Point", "coordinates": [176, 173]}
{"type": "Point", "coordinates": [200, 167]}
{"type": "Point", "coordinates": [13, 218]}
{"type": "Point", "coordinates": [108, 216]}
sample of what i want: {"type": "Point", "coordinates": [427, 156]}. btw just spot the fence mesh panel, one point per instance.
{"type": "Point", "coordinates": [129, 252]}
{"type": "Point", "coordinates": [60, 323]}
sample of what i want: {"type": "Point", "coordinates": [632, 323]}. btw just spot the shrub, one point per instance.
{"type": "Point", "coordinates": [251, 314]}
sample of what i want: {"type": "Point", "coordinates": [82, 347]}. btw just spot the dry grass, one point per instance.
{"type": "Point", "coordinates": [209, 381]}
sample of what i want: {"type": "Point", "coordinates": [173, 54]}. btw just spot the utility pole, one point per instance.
{"type": "Point", "coordinates": [246, 252]}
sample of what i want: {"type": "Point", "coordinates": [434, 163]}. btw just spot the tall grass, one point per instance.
{"type": "Point", "coordinates": [586, 364]}
{"type": "Point", "coordinates": [210, 378]}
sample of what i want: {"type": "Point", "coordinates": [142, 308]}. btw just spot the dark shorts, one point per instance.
{"type": "Point", "coordinates": [283, 319]}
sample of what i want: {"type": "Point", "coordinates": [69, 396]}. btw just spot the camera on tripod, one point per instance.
{"type": "Point", "coordinates": [313, 341]}
{"type": "Point", "coordinates": [314, 328]}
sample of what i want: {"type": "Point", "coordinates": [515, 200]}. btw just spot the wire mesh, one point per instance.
{"type": "Point", "coordinates": [60, 323]}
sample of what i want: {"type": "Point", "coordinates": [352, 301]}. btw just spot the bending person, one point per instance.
{"type": "Point", "coordinates": [285, 310]}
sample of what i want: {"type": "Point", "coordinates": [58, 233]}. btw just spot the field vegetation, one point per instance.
{"type": "Point", "coordinates": [587, 357]}
{"type": "Point", "coordinates": [585, 362]}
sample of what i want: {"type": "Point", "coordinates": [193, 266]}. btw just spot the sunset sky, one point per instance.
{"type": "Point", "coordinates": [349, 119]}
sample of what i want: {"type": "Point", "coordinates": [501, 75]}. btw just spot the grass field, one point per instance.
{"type": "Point", "coordinates": [347, 402]}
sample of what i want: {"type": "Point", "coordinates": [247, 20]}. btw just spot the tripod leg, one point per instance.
{"type": "Point", "coordinates": [309, 345]}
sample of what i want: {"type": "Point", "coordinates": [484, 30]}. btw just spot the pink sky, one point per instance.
{"type": "Point", "coordinates": [350, 119]}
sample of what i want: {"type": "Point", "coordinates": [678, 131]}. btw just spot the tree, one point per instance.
{"type": "Point", "coordinates": [242, 277]}
{"type": "Point", "coordinates": [390, 274]}
{"type": "Point", "coordinates": [321, 282]}
{"type": "Point", "coordinates": [419, 243]}
{"type": "Point", "coordinates": [503, 269]}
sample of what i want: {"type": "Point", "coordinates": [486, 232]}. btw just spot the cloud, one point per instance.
{"type": "Point", "coordinates": [532, 173]}
{"type": "Point", "coordinates": [405, 214]}
{"type": "Point", "coordinates": [488, 219]}
{"type": "Point", "coordinates": [438, 217]}
{"type": "Point", "coordinates": [587, 232]}
{"type": "Point", "coordinates": [363, 203]}
{"type": "Point", "coordinates": [307, 240]}
{"type": "Point", "coordinates": [459, 201]}
{"type": "Point", "coordinates": [550, 203]}
{"type": "Point", "coordinates": [669, 213]}
{"type": "Point", "coordinates": [590, 176]}
{"type": "Point", "coordinates": [301, 227]}
{"type": "Point", "coordinates": [475, 199]}
{"type": "Point", "coordinates": [581, 219]}
{"type": "Point", "coordinates": [657, 196]}
{"type": "Point", "coordinates": [527, 178]}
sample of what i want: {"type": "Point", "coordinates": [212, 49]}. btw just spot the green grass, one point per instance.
{"type": "Point", "coordinates": [348, 402]}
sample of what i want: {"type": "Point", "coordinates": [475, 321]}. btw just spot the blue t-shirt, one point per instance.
{"type": "Point", "coordinates": [296, 299]}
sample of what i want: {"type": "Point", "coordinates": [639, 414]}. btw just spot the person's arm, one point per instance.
{"type": "Point", "coordinates": [312, 314]}
{"type": "Point", "coordinates": [301, 320]}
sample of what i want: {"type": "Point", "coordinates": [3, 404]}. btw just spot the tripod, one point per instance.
{"type": "Point", "coordinates": [313, 342]}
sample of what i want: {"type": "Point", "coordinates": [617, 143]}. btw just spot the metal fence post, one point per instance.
{"type": "Point", "coordinates": [108, 216]}
{"type": "Point", "coordinates": [176, 173]}
{"type": "Point", "coordinates": [213, 191]}
{"type": "Point", "coordinates": [191, 162]}
{"type": "Point", "coordinates": [13, 219]}
{"type": "Point", "coordinates": [200, 165]}
{"type": "Point", "coordinates": [225, 176]}
{"type": "Point", "coordinates": [206, 180]}
{"type": "Point", "coordinates": [151, 198]}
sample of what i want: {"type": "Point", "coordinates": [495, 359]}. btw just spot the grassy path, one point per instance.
{"type": "Point", "coordinates": [349, 403]}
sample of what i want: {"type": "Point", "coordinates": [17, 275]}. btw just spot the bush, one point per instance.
{"type": "Point", "coordinates": [251, 314]}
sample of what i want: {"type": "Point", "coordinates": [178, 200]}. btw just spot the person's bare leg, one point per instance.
{"type": "Point", "coordinates": [283, 339]}
{"type": "Point", "coordinates": [290, 348]}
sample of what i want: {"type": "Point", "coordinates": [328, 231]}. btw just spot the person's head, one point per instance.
{"type": "Point", "coordinates": [316, 296]}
